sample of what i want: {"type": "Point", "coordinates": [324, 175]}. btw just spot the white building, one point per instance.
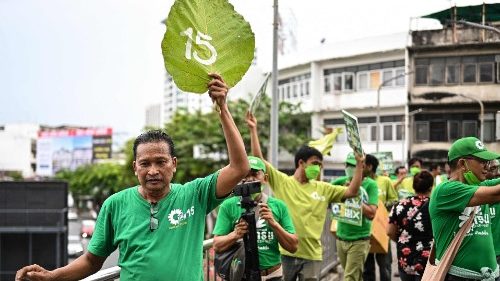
{"type": "Point", "coordinates": [17, 148]}
{"type": "Point", "coordinates": [346, 75]}
{"type": "Point", "coordinates": [153, 116]}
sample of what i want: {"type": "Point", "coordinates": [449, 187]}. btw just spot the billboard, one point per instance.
{"type": "Point", "coordinates": [71, 148]}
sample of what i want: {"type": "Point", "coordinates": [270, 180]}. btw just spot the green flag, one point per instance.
{"type": "Point", "coordinates": [205, 36]}
{"type": "Point", "coordinates": [325, 144]}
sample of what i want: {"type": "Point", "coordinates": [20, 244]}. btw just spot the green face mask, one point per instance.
{"type": "Point", "coordinates": [414, 170]}
{"type": "Point", "coordinates": [469, 176]}
{"type": "Point", "coordinates": [349, 171]}
{"type": "Point", "coordinates": [312, 172]}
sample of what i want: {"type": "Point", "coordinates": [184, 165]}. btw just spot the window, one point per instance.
{"type": "Point", "coordinates": [363, 132]}
{"type": "Point", "coordinates": [374, 79]}
{"type": "Point", "coordinates": [452, 73]}
{"type": "Point", "coordinates": [489, 131]}
{"type": "Point", "coordinates": [486, 72]}
{"type": "Point", "coordinates": [453, 130]}
{"type": "Point", "coordinates": [348, 81]}
{"type": "Point", "coordinates": [436, 131]}
{"type": "Point", "coordinates": [421, 131]}
{"type": "Point", "coordinates": [288, 92]}
{"type": "Point", "coordinates": [400, 81]}
{"type": "Point", "coordinates": [294, 90]}
{"type": "Point", "coordinates": [469, 128]}
{"type": "Point", "coordinates": [337, 82]}
{"type": "Point", "coordinates": [399, 131]}
{"type": "Point", "coordinates": [437, 71]}
{"type": "Point", "coordinates": [308, 91]}
{"type": "Point", "coordinates": [362, 81]}
{"type": "Point", "coordinates": [373, 136]}
{"type": "Point", "coordinates": [388, 132]}
{"type": "Point", "coordinates": [421, 75]}
{"type": "Point", "coordinates": [328, 85]}
{"type": "Point", "coordinates": [386, 76]}
{"type": "Point", "coordinates": [469, 73]}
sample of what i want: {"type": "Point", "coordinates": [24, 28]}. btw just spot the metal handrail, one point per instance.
{"type": "Point", "coordinates": [113, 273]}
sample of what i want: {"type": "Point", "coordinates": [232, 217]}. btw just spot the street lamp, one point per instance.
{"type": "Point", "coordinates": [435, 96]}
{"type": "Point", "coordinates": [378, 103]}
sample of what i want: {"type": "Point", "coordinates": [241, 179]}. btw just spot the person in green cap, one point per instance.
{"type": "Point", "coordinates": [274, 225]}
{"type": "Point", "coordinates": [452, 203]}
{"type": "Point", "coordinates": [494, 173]}
{"type": "Point", "coordinates": [307, 199]}
{"type": "Point", "coordinates": [353, 241]}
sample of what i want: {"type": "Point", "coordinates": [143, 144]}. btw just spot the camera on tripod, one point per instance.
{"type": "Point", "coordinates": [245, 190]}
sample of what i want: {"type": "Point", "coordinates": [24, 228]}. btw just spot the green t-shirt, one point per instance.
{"type": "Point", "coordinates": [269, 254]}
{"type": "Point", "coordinates": [386, 193]}
{"type": "Point", "coordinates": [448, 210]}
{"type": "Point", "coordinates": [368, 192]}
{"type": "Point", "coordinates": [307, 204]}
{"type": "Point", "coordinates": [174, 250]}
{"type": "Point", "coordinates": [495, 217]}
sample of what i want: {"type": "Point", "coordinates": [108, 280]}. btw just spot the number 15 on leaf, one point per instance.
{"type": "Point", "coordinates": [202, 40]}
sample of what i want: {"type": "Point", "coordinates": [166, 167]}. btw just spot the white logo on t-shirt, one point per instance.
{"type": "Point", "coordinates": [260, 223]}
{"type": "Point", "coordinates": [176, 216]}
{"type": "Point", "coordinates": [315, 195]}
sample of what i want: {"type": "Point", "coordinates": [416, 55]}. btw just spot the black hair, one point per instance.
{"type": "Point", "coordinates": [423, 181]}
{"type": "Point", "coordinates": [305, 152]}
{"type": "Point", "coordinates": [414, 160]}
{"type": "Point", "coordinates": [154, 136]}
{"type": "Point", "coordinates": [371, 160]}
{"type": "Point", "coordinates": [397, 169]}
{"type": "Point", "coordinates": [433, 166]}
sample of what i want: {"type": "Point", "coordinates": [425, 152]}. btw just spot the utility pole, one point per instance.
{"type": "Point", "coordinates": [273, 145]}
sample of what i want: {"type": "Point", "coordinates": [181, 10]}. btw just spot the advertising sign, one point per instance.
{"type": "Point", "coordinates": [351, 125]}
{"type": "Point", "coordinates": [71, 148]}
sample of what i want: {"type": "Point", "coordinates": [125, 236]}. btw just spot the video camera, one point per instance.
{"type": "Point", "coordinates": [245, 190]}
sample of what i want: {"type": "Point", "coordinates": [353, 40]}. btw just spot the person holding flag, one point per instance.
{"type": "Point", "coordinates": [307, 200]}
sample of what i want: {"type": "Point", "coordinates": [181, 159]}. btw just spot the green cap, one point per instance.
{"type": "Point", "coordinates": [351, 160]}
{"type": "Point", "coordinates": [256, 163]}
{"type": "Point", "coordinates": [470, 146]}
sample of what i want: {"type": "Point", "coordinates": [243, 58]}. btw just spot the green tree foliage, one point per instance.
{"type": "Point", "coordinates": [203, 131]}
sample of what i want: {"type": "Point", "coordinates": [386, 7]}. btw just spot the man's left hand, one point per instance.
{"type": "Point", "coordinates": [217, 89]}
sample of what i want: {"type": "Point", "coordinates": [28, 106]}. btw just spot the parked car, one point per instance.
{"type": "Point", "coordinates": [87, 228]}
{"type": "Point", "coordinates": [75, 247]}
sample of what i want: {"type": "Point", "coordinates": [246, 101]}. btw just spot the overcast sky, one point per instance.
{"type": "Point", "coordinates": [99, 62]}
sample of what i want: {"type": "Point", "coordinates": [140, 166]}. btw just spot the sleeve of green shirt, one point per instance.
{"type": "Point", "coordinates": [275, 176]}
{"type": "Point", "coordinates": [224, 223]}
{"type": "Point", "coordinates": [101, 243]}
{"type": "Point", "coordinates": [206, 190]}
{"type": "Point", "coordinates": [285, 221]}
{"type": "Point", "coordinates": [492, 182]}
{"type": "Point", "coordinates": [372, 190]}
{"type": "Point", "coordinates": [454, 196]}
{"type": "Point", "coordinates": [392, 195]}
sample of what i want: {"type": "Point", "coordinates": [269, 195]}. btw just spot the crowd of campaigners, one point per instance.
{"type": "Point", "coordinates": [158, 226]}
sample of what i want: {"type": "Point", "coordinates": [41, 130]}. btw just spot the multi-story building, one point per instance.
{"type": "Point", "coordinates": [153, 116]}
{"type": "Point", "coordinates": [347, 75]}
{"type": "Point", "coordinates": [455, 81]}
{"type": "Point", "coordinates": [18, 148]}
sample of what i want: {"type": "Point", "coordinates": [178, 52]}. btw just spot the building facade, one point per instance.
{"type": "Point", "coordinates": [455, 81]}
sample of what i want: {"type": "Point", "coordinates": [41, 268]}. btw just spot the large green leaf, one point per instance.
{"type": "Point", "coordinates": [219, 39]}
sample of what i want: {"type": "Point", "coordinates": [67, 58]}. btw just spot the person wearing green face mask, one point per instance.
{"type": "Point", "coordinates": [274, 225]}
{"type": "Point", "coordinates": [353, 241]}
{"type": "Point", "coordinates": [307, 199]}
{"type": "Point", "coordinates": [451, 204]}
{"type": "Point", "coordinates": [405, 189]}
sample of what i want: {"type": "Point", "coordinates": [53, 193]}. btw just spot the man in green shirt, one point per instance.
{"type": "Point", "coordinates": [405, 186]}
{"type": "Point", "coordinates": [388, 195]}
{"type": "Point", "coordinates": [307, 200]}
{"type": "Point", "coordinates": [274, 225]}
{"type": "Point", "coordinates": [452, 203]}
{"type": "Point", "coordinates": [353, 241]}
{"type": "Point", "coordinates": [494, 173]}
{"type": "Point", "coordinates": [158, 226]}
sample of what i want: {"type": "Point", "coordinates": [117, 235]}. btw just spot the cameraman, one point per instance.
{"type": "Point", "coordinates": [274, 225]}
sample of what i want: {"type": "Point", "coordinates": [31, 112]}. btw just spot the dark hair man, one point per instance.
{"type": "Point", "coordinates": [158, 225]}
{"type": "Point", "coordinates": [307, 200]}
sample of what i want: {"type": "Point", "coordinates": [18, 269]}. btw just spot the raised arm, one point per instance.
{"type": "Point", "coordinates": [355, 183]}
{"type": "Point", "coordinates": [238, 166]}
{"type": "Point", "coordinates": [485, 195]}
{"type": "Point", "coordinates": [80, 268]}
{"type": "Point", "coordinates": [254, 136]}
